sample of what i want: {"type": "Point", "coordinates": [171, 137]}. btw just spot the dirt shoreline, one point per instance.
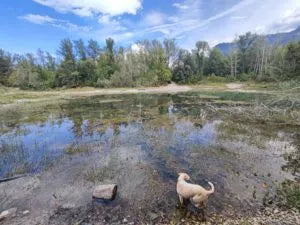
{"type": "Point", "coordinates": [13, 96]}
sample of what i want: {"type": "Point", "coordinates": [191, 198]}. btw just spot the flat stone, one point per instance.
{"type": "Point", "coordinates": [105, 192]}
{"type": "Point", "coordinates": [68, 206]}
{"type": "Point", "coordinates": [8, 213]}
{"type": "Point", "coordinates": [26, 212]}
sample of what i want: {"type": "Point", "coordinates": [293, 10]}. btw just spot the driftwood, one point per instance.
{"type": "Point", "coordinates": [105, 192]}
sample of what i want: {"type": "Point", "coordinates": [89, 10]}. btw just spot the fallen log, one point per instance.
{"type": "Point", "coordinates": [105, 192]}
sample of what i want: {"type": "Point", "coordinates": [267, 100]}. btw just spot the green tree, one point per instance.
{"type": "Point", "coordinates": [171, 50]}
{"type": "Point", "coordinates": [106, 65]}
{"type": "Point", "coordinates": [81, 51]}
{"type": "Point", "coordinates": [87, 72]}
{"type": "Point", "coordinates": [66, 51]}
{"type": "Point", "coordinates": [244, 43]}
{"type": "Point", "coordinates": [5, 66]}
{"type": "Point", "coordinates": [110, 50]}
{"type": "Point", "coordinates": [25, 74]}
{"type": "Point", "coordinates": [93, 49]}
{"type": "Point", "coordinates": [184, 67]}
{"type": "Point", "coordinates": [50, 62]}
{"type": "Point", "coordinates": [66, 75]}
{"type": "Point", "coordinates": [292, 59]}
{"type": "Point", "coordinates": [201, 51]}
{"type": "Point", "coordinates": [217, 63]}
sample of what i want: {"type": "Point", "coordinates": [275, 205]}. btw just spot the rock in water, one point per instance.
{"type": "Point", "coordinates": [105, 192]}
{"type": "Point", "coordinates": [8, 213]}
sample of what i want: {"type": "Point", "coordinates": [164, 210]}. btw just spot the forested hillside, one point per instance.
{"type": "Point", "coordinates": [149, 63]}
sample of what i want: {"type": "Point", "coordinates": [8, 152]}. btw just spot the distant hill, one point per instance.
{"type": "Point", "coordinates": [279, 38]}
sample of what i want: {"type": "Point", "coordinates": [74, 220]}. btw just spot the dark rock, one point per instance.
{"type": "Point", "coordinates": [198, 125]}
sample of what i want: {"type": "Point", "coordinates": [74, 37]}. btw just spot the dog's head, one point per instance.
{"type": "Point", "coordinates": [183, 176]}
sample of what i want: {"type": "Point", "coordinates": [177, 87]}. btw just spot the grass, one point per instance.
{"type": "Point", "coordinates": [15, 95]}
{"type": "Point", "coordinates": [98, 174]}
{"type": "Point", "coordinates": [76, 149]}
{"type": "Point", "coordinates": [289, 193]}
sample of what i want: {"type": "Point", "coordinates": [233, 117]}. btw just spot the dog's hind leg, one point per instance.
{"type": "Point", "coordinates": [198, 201]}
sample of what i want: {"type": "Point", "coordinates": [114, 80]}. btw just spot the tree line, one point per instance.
{"type": "Point", "coordinates": [149, 63]}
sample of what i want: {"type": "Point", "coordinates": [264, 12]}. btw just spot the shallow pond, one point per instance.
{"type": "Point", "coordinates": [141, 142]}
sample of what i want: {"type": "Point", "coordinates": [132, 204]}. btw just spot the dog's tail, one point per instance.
{"type": "Point", "coordinates": [212, 190]}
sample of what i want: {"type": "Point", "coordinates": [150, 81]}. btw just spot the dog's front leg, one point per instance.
{"type": "Point", "coordinates": [180, 199]}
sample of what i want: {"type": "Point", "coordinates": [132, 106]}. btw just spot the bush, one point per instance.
{"type": "Point", "coordinates": [286, 85]}
{"type": "Point", "coordinates": [103, 83]}
{"type": "Point", "coordinates": [215, 79]}
{"type": "Point", "coordinates": [289, 194]}
{"type": "Point", "coordinates": [244, 77]}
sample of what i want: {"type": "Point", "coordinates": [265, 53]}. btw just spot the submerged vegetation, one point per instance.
{"type": "Point", "coordinates": [152, 63]}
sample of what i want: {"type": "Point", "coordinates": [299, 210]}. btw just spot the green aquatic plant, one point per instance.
{"type": "Point", "coordinates": [289, 194]}
{"type": "Point", "coordinates": [98, 174]}
{"type": "Point", "coordinates": [76, 149]}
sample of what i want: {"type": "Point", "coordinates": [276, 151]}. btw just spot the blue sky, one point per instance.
{"type": "Point", "coordinates": [27, 25]}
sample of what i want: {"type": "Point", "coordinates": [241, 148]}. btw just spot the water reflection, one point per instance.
{"type": "Point", "coordinates": [131, 120]}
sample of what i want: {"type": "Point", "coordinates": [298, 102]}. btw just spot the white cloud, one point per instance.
{"type": "Point", "coordinates": [173, 19]}
{"type": "Point", "coordinates": [154, 18]}
{"type": "Point", "coordinates": [187, 24]}
{"type": "Point", "coordinates": [238, 17]}
{"type": "Point", "coordinates": [136, 48]}
{"type": "Point", "coordinates": [193, 20]}
{"type": "Point", "coordinates": [88, 8]}
{"type": "Point", "coordinates": [112, 23]}
{"type": "Point", "coordinates": [288, 21]}
{"type": "Point", "coordinates": [180, 6]}
{"type": "Point", "coordinates": [38, 19]}
{"type": "Point", "coordinates": [62, 24]}
{"type": "Point", "coordinates": [105, 19]}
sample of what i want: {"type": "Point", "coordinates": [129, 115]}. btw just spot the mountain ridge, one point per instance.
{"type": "Point", "coordinates": [278, 38]}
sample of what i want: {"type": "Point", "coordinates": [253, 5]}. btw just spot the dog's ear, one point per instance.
{"type": "Point", "coordinates": [179, 174]}
{"type": "Point", "coordinates": [188, 177]}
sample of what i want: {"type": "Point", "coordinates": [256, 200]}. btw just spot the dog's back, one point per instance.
{"type": "Point", "coordinates": [187, 190]}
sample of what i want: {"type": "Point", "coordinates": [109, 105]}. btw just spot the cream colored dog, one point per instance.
{"type": "Point", "coordinates": [197, 194]}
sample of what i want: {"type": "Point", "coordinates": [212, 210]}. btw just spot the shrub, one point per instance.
{"type": "Point", "coordinates": [244, 77]}
{"type": "Point", "coordinates": [103, 83]}
{"type": "Point", "coordinates": [289, 194]}
{"type": "Point", "coordinates": [215, 79]}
